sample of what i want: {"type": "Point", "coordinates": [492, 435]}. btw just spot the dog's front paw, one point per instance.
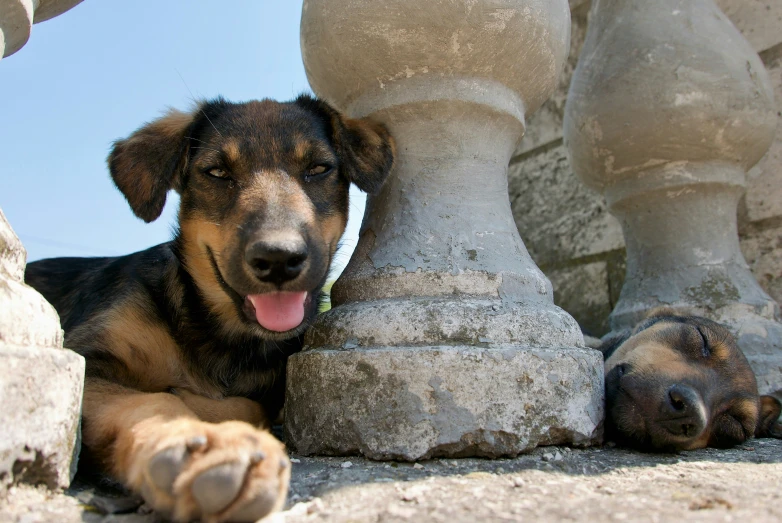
{"type": "Point", "coordinates": [226, 471]}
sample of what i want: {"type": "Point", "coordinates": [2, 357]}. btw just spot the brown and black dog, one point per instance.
{"type": "Point", "coordinates": [186, 342]}
{"type": "Point", "coordinates": [677, 382]}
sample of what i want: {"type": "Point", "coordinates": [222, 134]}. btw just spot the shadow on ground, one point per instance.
{"type": "Point", "coordinates": [548, 484]}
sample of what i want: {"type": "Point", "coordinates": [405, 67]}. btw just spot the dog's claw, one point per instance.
{"type": "Point", "coordinates": [257, 457]}
{"type": "Point", "coordinates": [216, 488]}
{"type": "Point", "coordinates": [196, 443]}
{"type": "Point", "coordinates": [257, 508]}
{"type": "Point", "coordinates": [165, 466]}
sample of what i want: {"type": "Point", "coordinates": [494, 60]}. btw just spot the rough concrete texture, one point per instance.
{"type": "Point", "coordinates": [549, 484]}
{"type": "Point", "coordinates": [420, 402]}
{"type": "Point", "coordinates": [545, 125]}
{"type": "Point", "coordinates": [758, 20]}
{"type": "Point", "coordinates": [670, 155]}
{"type": "Point", "coordinates": [589, 282]}
{"type": "Point", "coordinates": [763, 251]}
{"type": "Point", "coordinates": [439, 260]}
{"type": "Point", "coordinates": [40, 382]}
{"type": "Point", "coordinates": [579, 226]}
{"type": "Point", "coordinates": [566, 240]}
{"type": "Point", "coordinates": [41, 390]}
{"type": "Point", "coordinates": [468, 322]}
{"type": "Point", "coordinates": [763, 200]}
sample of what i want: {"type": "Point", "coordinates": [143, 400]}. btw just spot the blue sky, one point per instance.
{"type": "Point", "coordinates": [95, 74]}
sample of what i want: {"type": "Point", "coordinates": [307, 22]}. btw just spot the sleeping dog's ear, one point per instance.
{"type": "Point", "coordinates": [612, 341]}
{"type": "Point", "coordinates": [770, 421]}
{"type": "Point", "coordinates": [365, 148]}
{"type": "Point", "coordinates": [150, 162]}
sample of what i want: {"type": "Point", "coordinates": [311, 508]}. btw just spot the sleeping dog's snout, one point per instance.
{"type": "Point", "coordinates": [277, 257]}
{"type": "Point", "coordinates": [682, 412]}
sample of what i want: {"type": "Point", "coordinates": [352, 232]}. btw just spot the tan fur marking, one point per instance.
{"type": "Point", "coordinates": [198, 235]}
{"type": "Point", "coordinates": [331, 230]}
{"type": "Point", "coordinates": [747, 409]}
{"type": "Point", "coordinates": [226, 409]}
{"type": "Point", "coordinates": [172, 124]}
{"type": "Point", "coordinates": [147, 349]}
{"type": "Point", "coordinates": [232, 151]}
{"type": "Point", "coordinates": [133, 427]}
{"type": "Point", "coordinates": [278, 191]}
{"type": "Point", "coordinates": [300, 148]}
{"type": "Point", "coordinates": [621, 354]}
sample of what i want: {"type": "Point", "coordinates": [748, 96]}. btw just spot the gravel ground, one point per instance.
{"type": "Point", "coordinates": [549, 484]}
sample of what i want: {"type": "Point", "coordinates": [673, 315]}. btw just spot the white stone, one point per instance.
{"type": "Point", "coordinates": [440, 307]}
{"type": "Point", "coordinates": [413, 403]}
{"type": "Point", "coordinates": [40, 382]}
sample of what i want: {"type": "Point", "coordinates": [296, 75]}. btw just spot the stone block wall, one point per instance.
{"type": "Point", "coordinates": [567, 227]}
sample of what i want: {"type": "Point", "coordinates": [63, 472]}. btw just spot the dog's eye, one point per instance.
{"type": "Point", "coordinates": [217, 172]}
{"type": "Point", "coordinates": [705, 349]}
{"type": "Point", "coordinates": [318, 171]}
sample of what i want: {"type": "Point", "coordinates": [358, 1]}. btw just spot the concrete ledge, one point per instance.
{"type": "Point", "coordinates": [410, 403]}
{"type": "Point", "coordinates": [41, 391]}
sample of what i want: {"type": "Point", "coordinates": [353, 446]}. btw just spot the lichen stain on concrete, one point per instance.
{"type": "Point", "coordinates": [716, 290]}
{"type": "Point", "coordinates": [451, 420]}
{"type": "Point", "coordinates": [501, 17]}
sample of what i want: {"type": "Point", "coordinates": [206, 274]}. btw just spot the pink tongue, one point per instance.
{"type": "Point", "coordinates": [279, 311]}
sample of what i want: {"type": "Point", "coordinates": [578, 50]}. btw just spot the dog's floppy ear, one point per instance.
{"type": "Point", "coordinates": [365, 148]}
{"type": "Point", "coordinates": [770, 421]}
{"type": "Point", "coordinates": [147, 164]}
{"type": "Point", "coordinates": [612, 341]}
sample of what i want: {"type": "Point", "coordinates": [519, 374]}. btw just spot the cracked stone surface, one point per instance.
{"type": "Point", "coordinates": [549, 484]}
{"type": "Point", "coordinates": [40, 382]}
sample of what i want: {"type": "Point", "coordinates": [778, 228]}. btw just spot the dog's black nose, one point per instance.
{"type": "Point", "coordinates": [683, 411]}
{"type": "Point", "coordinates": [277, 260]}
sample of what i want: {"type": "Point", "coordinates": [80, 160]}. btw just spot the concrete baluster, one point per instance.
{"type": "Point", "coordinates": [444, 339]}
{"type": "Point", "coordinates": [668, 109]}
{"type": "Point", "coordinates": [40, 383]}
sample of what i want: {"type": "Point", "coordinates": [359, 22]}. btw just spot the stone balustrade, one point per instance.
{"type": "Point", "coordinates": [668, 109]}
{"type": "Point", "coordinates": [443, 339]}
{"type": "Point", "coordinates": [571, 234]}
{"type": "Point", "coordinates": [40, 383]}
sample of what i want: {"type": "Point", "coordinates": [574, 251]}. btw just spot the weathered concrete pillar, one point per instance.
{"type": "Point", "coordinates": [444, 339]}
{"type": "Point", "coordinates": [40, 382]}
{"type": "Point", "coordinates": [668, 109]}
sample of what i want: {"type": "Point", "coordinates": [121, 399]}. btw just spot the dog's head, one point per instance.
{"type": "Point", "coordinates": [264, 199]}
{"type": "Point", "coordinates": [678, 382]}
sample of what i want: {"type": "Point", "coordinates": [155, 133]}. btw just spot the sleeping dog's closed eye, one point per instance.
{"type": "Point", "coordinates": [679, 382]}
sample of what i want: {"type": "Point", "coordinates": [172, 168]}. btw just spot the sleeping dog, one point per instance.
{"type": "Point", "coordinates": [678, 382]}
{"type": "Point", "coordinates": [186, 342]}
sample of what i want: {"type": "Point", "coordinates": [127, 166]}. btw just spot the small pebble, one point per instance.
{"type": "Point", "coordinates": [316, 505]}
{"type": "Point", "coordinates": [518, 482]}
{"type": "Point", "coordinates": [418, 466]}
{"type": "Point", "coordinates": [295, 460]}
{"type": "Point", "coordinates": [346, 465]}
